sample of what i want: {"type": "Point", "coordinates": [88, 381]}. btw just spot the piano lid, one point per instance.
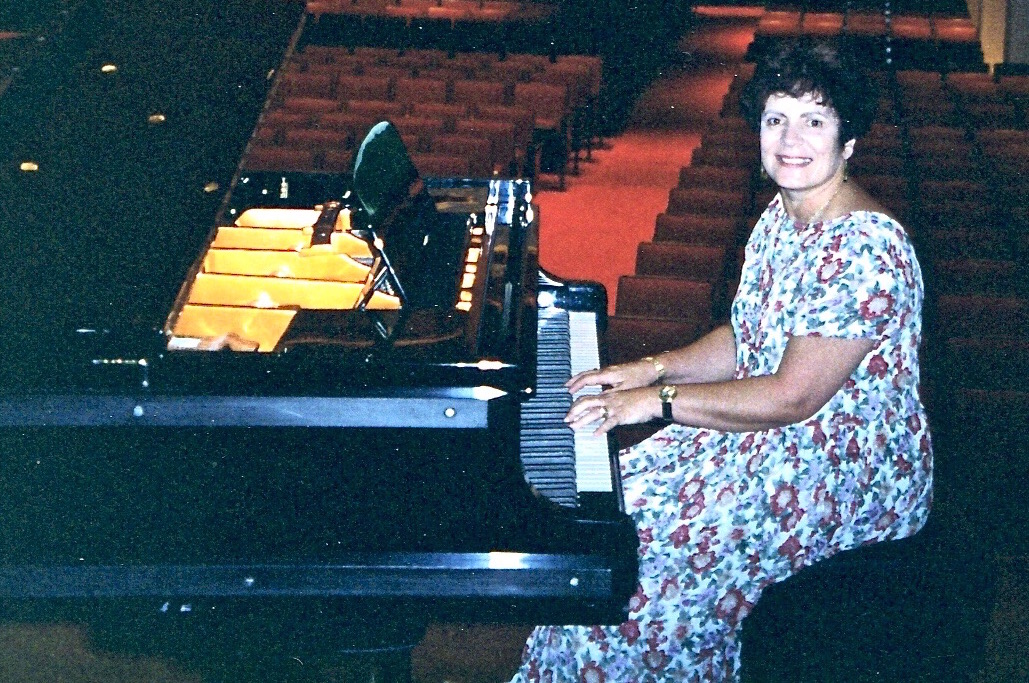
{"type": "Point", "coordinates": [140, 166]}
{"type": "Point", "coordinates": [377, 266]}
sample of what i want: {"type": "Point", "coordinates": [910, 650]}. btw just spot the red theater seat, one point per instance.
{"type": "Point", "coordinates": [632, 337]}
{"type": "Point", "coordinates": [981, 316]}
{"type": "Point", "coordinates": [664, 297]}
{"type": "Point", "coordinates": [411, 90]}
{"type": "Point", "coordinates": [989, 277]}
{"type": "Point", "coordinates": [441, 165]}
{"type": "Point", "coordinates": [711, 231]}
{"type": "Point", "coordinates": [714, 177]}
{"type": "Point", "coordinates": [686, 261]}
{"type": "Point", "coordinates": [705, 201]}
{"type": "Point", "coordinates": [262, 158]}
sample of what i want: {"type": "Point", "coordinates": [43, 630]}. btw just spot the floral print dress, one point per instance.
{"type": "Point", "coordinates": [722, 515]}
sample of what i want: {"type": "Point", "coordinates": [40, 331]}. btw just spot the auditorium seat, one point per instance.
{"type": "Point", "coordinates": [275, 158]}
{"type": "Point", "coordinates": [426, 58]}
{"type": "Point", "coordinates": [449, 113]}
{"type": "Point", "coordinates": [283, 118]}
{"type": "Point", "coordinates": [989, 277]}
{"type": "Point", "coordinates": [1000, 139]}
{"type": "Point", "coordinates": [821, 24]}
{"type": "Point", "coordinates": [980, 316]}
{"type": "Point", "coordinates": [311, 105]}
{"type": "Point", "coordinates": [911, 27]}
{"type": "Point", "coordinates": [317, 139]}
{"type": "Point", "coordinates": [940, 191]}
{"type": "Point", "coordinates": [592, 65]}
{"type": "Point", "coordinates": [706, 201]}
{"type": "Point", "coordinates": [632, 337]}
{"type": "Point", "coordinates": [986, 115]}
{"type": "Point", "coordinates": [866, 24]}
{"type": "Point", "coordinates": [680, 260]}
{"type": "Point", "coordinates": [355, 123]}
{"type": "Point", "coordinates": [937, 241]}
{"type": "Point", "coordinates": [522, 119]}
{"type": "Point", "coordinates": [714, 231]}
{"type": "Point", "coordinates": [779, 24]}
{"type": "Point", "coordinates": [1015, 89]}
{"type": "Point", "coordinates": [477, 150]}
{"type": "Point", "coordinates": [375, 109]}
{"type": "Point", "coordinates": [574, 76]}
{"type": "Point", "coordinates": [441, 165]}
{"type": "Point", "coordinates": [664, 297]}
{"type": "Point", "coordinates": [990, 364]}
{"type": "Point", "coordinates": [350, 87]}
{"type": "Point", "coordinates": [547, 102]}
{"type": "Point", "coordinates": [338, 160]}
{"type": "Point", "coordinates": [317, 85]}
{"type": "Point", "coordinates": [475, 92]}
{"type": "Point", "coordinates": [411, 90]}
{"type": "Point", "coordinates": [386, 73]}
{"type": "Point", "coordinates": [738, 157]}
{"type": "Point", "coordinates": [421, 126]}
{"type": "Point", "coordinates": [714, 177]}
{"type": "Point", "coordinates": [882, 138]}
{"type": "Point", "coordinates": [954, 29]}
{"type": "Point", "coordinates": [501, 135]}
{"type": "Point", "coordinates": [867, 162]}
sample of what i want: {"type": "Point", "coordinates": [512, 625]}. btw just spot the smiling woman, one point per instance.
{"type": "Point", "coordinates": [797, 430]}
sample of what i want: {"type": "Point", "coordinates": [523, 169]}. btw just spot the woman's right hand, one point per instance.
{"type": "Point", "coordinates": [620, 377]}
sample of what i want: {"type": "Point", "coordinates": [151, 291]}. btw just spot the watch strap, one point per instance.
{"type": "Point", "coordinates": [667, 394]}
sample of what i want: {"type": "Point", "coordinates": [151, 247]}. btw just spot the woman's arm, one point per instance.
{"type": "Point", "coordinates": [712, 358]}
{"type": "Point", "coordinates": [812, 370]}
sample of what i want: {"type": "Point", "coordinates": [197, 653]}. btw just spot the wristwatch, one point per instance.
{"type": "Point", "coordinates": [667, 393]}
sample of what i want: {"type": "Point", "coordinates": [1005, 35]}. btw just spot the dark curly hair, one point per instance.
{"type": "Point", "coordinates": [825, 68]}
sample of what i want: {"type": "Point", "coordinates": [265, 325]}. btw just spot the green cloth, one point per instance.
{"type": "Point", "coordinates": [383, 171]}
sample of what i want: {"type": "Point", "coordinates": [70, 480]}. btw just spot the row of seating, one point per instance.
{"type": "Point", "coordinates": [453, 25]}
{"type": "Point", "coordinates": [580, 73]}
{"type": "Point", "coordinates": [914, 40]}
{"type": "Point", "coordinates": [451, 10]}
{"type": "Point", "coordinates": [331, 96]}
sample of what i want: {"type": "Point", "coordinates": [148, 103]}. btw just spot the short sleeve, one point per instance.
{"type": "Point", "coordinates": [858, 281]}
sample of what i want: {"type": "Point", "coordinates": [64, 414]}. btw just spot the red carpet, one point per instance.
{"type": "Point", "coordinates": [591, 231]}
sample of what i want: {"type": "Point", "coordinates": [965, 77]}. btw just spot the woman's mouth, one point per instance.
{"type": "Point", "coordinates": [793, 161]}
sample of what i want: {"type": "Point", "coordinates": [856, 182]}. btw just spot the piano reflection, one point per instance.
{"type": "Point", "coordinates": [355, 401]}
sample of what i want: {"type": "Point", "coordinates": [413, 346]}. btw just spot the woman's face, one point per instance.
{"type": "Point", "coordinates": [800, 148]}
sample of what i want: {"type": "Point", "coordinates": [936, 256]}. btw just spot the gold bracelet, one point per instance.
{"type": "Point", "coordinates": [658, 367]}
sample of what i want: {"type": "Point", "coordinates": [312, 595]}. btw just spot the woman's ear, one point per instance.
{"type": "Point", "coordinates": [848, 148]}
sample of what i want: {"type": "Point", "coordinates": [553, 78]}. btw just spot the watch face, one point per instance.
{"type": "Point", "coordinates": [667, 393]}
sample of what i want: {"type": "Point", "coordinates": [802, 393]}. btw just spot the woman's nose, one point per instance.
{"type": "Point", "coordinates": [790, 134]}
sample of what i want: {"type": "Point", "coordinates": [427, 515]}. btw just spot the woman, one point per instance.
{"type": "Point", "coordinates": [797, 430]}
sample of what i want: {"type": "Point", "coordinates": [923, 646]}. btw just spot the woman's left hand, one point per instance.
{"type": "Point", "coordinates": [611, 408]}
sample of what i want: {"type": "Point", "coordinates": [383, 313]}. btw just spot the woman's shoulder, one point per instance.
{"type": "Point", "coordinates": [857, 202]}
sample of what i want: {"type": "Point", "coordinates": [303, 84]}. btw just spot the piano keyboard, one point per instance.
{"type": "Point", "coordinates": [558, 462]}
{"type": "Point", "coordinates": [592, 458]}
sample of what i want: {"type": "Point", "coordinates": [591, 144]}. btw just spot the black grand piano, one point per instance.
{"type": "Point", "coordinates": [330, 403]}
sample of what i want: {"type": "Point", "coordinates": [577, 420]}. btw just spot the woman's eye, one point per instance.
{"type": "Point", "coordinates": [817, 123]}
{"type": "Point", "coordinates": [772, 121]}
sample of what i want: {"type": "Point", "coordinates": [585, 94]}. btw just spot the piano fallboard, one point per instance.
{"type": "Point", "coordinates": [441, 408]}
{"type": "Point", "coordinates": [443, 576]}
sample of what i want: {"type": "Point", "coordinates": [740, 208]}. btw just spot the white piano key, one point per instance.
{"type": "Point", "coordinates": [592, 459]}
